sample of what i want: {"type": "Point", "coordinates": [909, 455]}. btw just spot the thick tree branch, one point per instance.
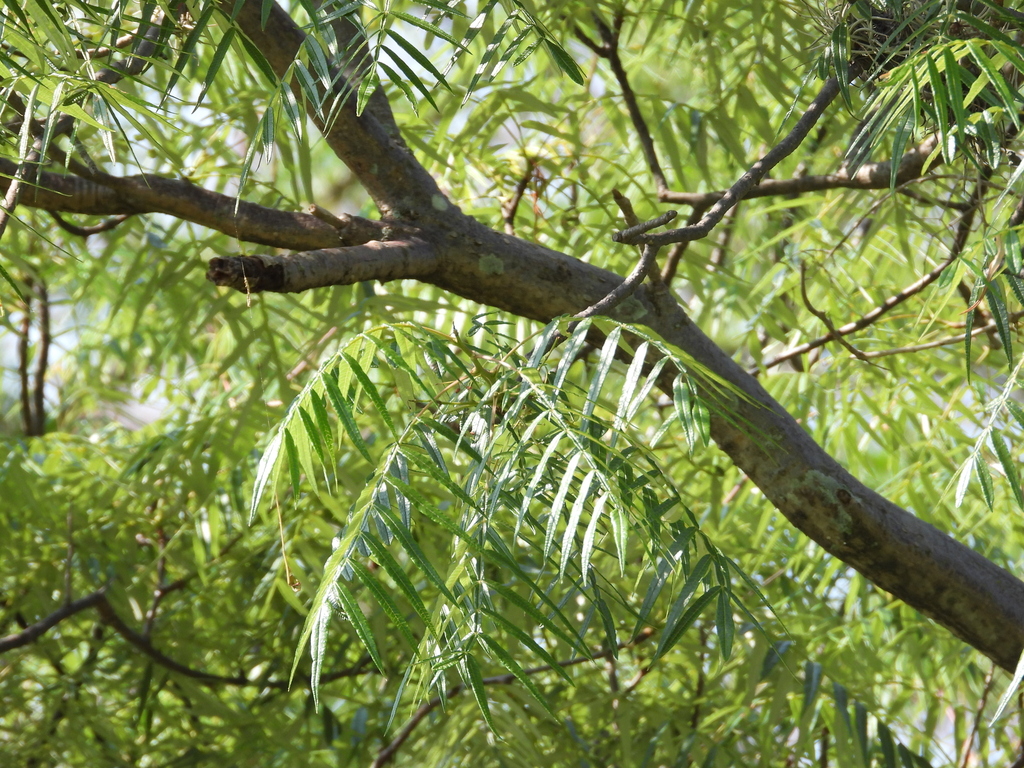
{"type": "Point", "coordinates": [976, 599]}
{"type": "Point", "coordinates": [105, 195]}
{"type": "Point", "coordinates": [297, 272]}
{"type": "Point", "coordinates": [398, 184]}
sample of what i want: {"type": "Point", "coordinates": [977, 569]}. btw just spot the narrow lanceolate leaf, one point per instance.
{"type": "Point", "coordinates": [1009, 467]}
{"type": "Point", "coordinates": [323, 423]}
{"type": "Point", "coordinates": [1011, 690]}
{"type": "Point", "coordinates": [1001, 316]}
{"type": "Point", "coordinates": [344, 411]}
{"type": "Point", "coordinates": [14, 286]}
{"type": "Point", "coordinates": [475, 681]}
{"type": "Point", "coordinates": [985, 480]}
{"type": "Point", "coordinates": [414, 551]}
{"type": "Point", "coordinates": [214, 66]}
{"type": "Point", "coordinates": [587, 550]}
{"type": "Point", "coordinates": [724, 626]}
{"type": "Point", "coordinates": [684, 411]}
{"type": "Point", "coordinates": [570, 349]}
{"type": "Point", "coordinates": [362, 628]}
{"type": "Point", "coordinates": [672, 635]}
{"type": "Point", "coordinates": [420, 59]}
{"type": "Point", "coordinates": [574, 520]}
{"type": "Point", "coordinates": [384, 600]}
{"type": "Point", "coordinates": [266, 472]}
{"type": "Point", "coordinates": [633, 374]}
{"type": "Point", "coordinates": [573, 641]}
{"type": "Point", "coordinates": [509, 663]}
{"type": "Point", "coordinates": [964, 482]}
{"type": "Point", "coordinates": [559, 501]}
{"type": "Point", "coordinates": [398, 575]}
{"type": "Point", "coordinates": [313, 436]}
{"type": "Point", "coordinates": [371, 391]}
{"type": "Point", "coordinates": [316, 628]}
{"type": "Point", "coordinates": [530, 643]}
{"type": "Point", "coordinates": [679, 607]}
{"type": "Point", "coordinates": [489, 53]}
{"type": "Point", "coordinates": [812, 683]}
{"type": "Point", "coordinates": [565, 62]}
{"type": "Point", "coordinates": [604, 364]}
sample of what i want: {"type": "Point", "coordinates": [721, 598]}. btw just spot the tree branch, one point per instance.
{"type": "Point", "coordinates": [109, 616]}
{"type": "Point", "coordinates": [868, 176]}
{"type": "Point", "coordinates": [1013, 317]}
{"type": "Point", "coordinates": [976, 599]}
{"type": "Point", "coordinates": [959, 241]}
{"type": "Point", "coordinates": [398, 184]}
{"type": "Point", "coordinates": [508, 209]}
{"type": "Point", "coordinates": [609, 49]}
{"type": "Point", "coordinates": [387, 754]}
{"type": "Point", "coordinates": [752, 177]}
{"type": "Point", "coordinates": [42, 361]}
{"type": "Point", "coordinates": [34, 631]}
{"type": "Point", "coordinates": [105, 195]}
{"type": "Point", "coordinates": [295, 272]}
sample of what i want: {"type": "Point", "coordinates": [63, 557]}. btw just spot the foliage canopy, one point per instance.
{"type": "Point", "coordinates": [420, 515]}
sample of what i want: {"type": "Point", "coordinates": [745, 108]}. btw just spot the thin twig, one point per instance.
{"type": "Point", "coordinates": [609, 49]}
{"type": "Point", "coordinates": [508, 209]}
{"type": "Point", "coordinates": [633, 234]}
{"type": "Point", "coordinates": [868, 176]}
{"type": "Point", "coordinates": [99, 601]}
{"type": "Point", "coordinates": [42, 361]}
{"type": "Point", "coordinates": [960, 240]}
{"type": "Point", "coordinates": [624, 289]}
{"type": "Point", "coordinates": [632, 220]}
{"type": "Point", "coordinates": [23, 342]}
{"type": "Point", "coordinates": [717, 259]}
{"type": "Point", "coordinates": [33, 632]}
{"type": "Point", "coordinates": [22, 174]}
{"type": "Point", "coordinates": [943, 342]}
{"type": "Point", "coordinates": [69, 557]}
{"type": "Point", "coordinates": [832, 332]}
{"type": "Point", "coordinates": [965, 748]}
{"type": "Point", "coordinates": [679, 249]}
{"type": "Point", "coordinates": [95, 229]}
{"type": "Point", "coordinates": [752, 177]}
{"type": "Point", "coordinates": [387, 754]}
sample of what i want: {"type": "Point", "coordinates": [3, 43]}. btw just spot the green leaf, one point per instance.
{"type": "Point", "coordinates": [397, 574]}
{"type": "Point", "coordinates": [385, 602]}
{"type": "Point", "coordinates": [679, 608]}
{"type": "Point", "coordinates": [344, 412]}
{"type": "Point", "coordinates": [362, 628]}
{"type": "Point", "coordinates": [673, 633]}
{"type": "Point", "coordinates": [214, 67]}
{"type": "Point", "coordinates": [475, 682]}
{"type": "Point", "coordinates": [1009, 467]}
{"type": "Point", "coordinates": [371, 390]}
{"type": "Point", "coordinates": [509, 663]}
{"type": "Point", "coordinates": [266, 472]}
{"type": "Point", "coordinates": [565, 62]}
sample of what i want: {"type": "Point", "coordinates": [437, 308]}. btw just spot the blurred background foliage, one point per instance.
{"type": "Point", "coordinates": [160, 395]}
